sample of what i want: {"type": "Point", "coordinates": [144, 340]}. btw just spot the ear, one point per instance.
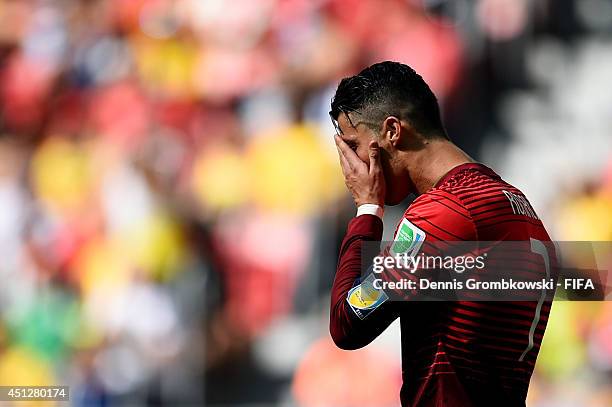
{"type": "Point", "coordinates": [392, 130]}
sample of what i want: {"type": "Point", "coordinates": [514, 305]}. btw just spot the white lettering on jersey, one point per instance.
{"type": "Point", "coordinates": [520, 205]}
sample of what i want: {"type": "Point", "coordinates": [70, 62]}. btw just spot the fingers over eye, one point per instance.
{"type": "Point", "coordinates": [343, 162]}
{"type": "Point", "coordinates": [350, 155]}
{"type": "Point", "coordinates": [343, 149]}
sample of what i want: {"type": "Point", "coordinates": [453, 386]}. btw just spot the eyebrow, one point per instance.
{"type": "Point", "coordinates": [336, 122]}
{"type": "Point", "coordinates": [352, 126]}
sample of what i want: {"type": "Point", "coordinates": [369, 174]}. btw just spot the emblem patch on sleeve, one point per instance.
{"type": "Point", "coordinates": [408, 239]}
{"type": "Point", "coordinates": [364, 298]}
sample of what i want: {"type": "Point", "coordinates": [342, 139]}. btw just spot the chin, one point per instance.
{"type": "Point", "coordinates": [393, 199]}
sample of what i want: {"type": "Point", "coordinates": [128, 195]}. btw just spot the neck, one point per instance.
{"type": "Point", "coordinates": [428, 165]}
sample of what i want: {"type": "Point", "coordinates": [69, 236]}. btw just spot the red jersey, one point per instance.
{"type": "Point", "coordinates": [454, 353]}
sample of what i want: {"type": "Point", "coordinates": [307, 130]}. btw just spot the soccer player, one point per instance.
{"type": "Point", "coordinates": [391, 143]}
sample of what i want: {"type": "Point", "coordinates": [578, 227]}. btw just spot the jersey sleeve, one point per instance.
{"type": "Point", "coordinates": [349, 327]}
{"type": "Point", "coordinates": [431, 228]}
{"type": "Point", "coordinates": [433, 217]}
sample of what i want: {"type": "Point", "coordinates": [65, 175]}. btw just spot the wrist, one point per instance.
{"type": "Point", "coordinates": [370, 209]}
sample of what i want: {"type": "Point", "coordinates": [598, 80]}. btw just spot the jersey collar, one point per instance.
{"type": "Point", "coordinates": [467, 166]}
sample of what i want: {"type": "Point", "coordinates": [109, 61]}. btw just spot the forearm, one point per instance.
{"type": "Point", "coordinates": [346, 328]}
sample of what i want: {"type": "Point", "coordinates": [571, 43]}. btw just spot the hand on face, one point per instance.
{"type": "Point", "coordinates": [365, 181]}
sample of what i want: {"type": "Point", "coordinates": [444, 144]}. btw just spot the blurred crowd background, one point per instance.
{"type": "Point", "coordinates": [171, 205]}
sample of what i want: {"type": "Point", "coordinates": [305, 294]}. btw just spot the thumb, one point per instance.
{"type": "Point", "coordinates": [374, 153]}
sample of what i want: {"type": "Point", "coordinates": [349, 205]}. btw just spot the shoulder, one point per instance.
{"type": "Point", "coordinates": [471, 184]}
{"type": "Point", "coordinates": [446, 211]}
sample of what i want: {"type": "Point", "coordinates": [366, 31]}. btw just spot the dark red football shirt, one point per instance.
{"type": "Point", "coordinates": [454, 353]}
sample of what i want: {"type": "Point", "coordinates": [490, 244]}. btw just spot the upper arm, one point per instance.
{"type": "Point", "coordinates": [428, 220]}
{"type": "Point", "coordinates": [428, 232]}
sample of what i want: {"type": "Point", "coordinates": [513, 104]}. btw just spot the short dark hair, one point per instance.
{"type": "Point", "coordinates": [389, 88]}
